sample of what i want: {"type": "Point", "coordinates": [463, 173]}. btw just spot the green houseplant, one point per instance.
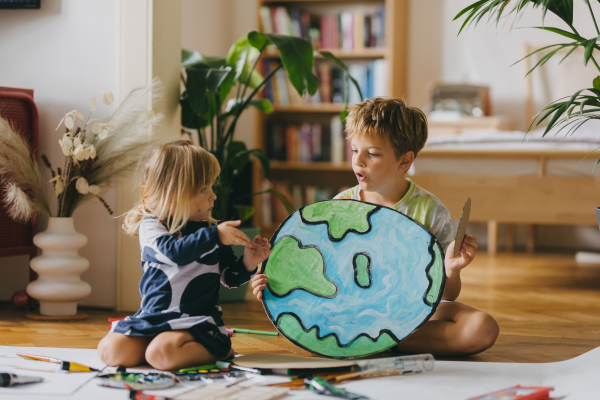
{"type": "Point", "coordinates": [584, 104]}
{"type": "Point", "coordinates": [217, 90]}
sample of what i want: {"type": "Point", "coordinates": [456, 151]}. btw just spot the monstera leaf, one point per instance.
{"type": "Point", "coordinates": [297, 58]}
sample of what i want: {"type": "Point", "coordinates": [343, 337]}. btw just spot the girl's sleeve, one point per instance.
{"type": "Point", "coordinates": [168, 249]}
{"type": "Point", "coordinates": [233, 270]}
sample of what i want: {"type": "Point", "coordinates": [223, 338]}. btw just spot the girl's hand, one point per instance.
{"type": "Point", "coordinates": [229, 235]}
{"type": "Point", "coordinates": [256, 252]}
{"type": "Point", "coordinates": [467, 253]}
{"type": "Point", "coordinates": [259, 283]}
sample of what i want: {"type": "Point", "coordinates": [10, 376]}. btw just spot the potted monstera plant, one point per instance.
{"type": "Point", "coordinates": [217, 90]}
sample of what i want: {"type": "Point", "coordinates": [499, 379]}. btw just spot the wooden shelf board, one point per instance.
{"type": "Point", "coordinates": [310, 108]}
{"type": "Point", "coordinates": [310, 166]}
{"type": "Point", "coordinates": [370, 53]}
{"type": "Point", "coordinates": [275, 2]}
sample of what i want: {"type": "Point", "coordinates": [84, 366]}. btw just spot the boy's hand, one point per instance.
{"type": "Point", "coordinates": [259, 283]}
{"type": "Point", "coordinates": [256, 252]}
{"type": "Point", "coordinates": [229, 235]}
{"type": "Point", "coordinates": [467, 253]}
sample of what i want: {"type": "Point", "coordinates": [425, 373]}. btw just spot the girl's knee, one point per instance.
{"type": "Point", "coordinates": [159, 354]}
{"type": "Point", "coordinates": [116, 350]}
{"type": "Point", "coordinates": [108, 352]}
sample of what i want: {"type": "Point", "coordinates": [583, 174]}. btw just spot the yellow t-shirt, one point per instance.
{"type": "Point", "coordinates": [421, 206]}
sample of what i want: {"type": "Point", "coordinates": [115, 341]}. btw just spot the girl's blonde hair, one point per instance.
{"type": "Point", "coordinates": [173, 174]}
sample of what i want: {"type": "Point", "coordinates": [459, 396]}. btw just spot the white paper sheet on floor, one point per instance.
{"type": "Point", "coordinates": [575, 379]}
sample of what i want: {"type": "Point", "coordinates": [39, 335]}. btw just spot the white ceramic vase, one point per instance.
{"type": "Point", "coordinates": [59, 287]}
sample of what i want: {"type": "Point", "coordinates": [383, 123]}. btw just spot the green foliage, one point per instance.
{"type": "Point", "coordinates": [584, 104]}
{"type": "Point", "coordinates": [210, 81]}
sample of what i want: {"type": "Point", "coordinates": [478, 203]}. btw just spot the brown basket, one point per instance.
{"type": "Point", "coordinates": [17, 106]}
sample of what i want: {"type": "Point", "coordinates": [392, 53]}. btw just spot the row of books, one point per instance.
{"type": "Point", "coordinates": [348, 30]}
{"type": "Point", "coordinates": [371, 78]}
{"type": "Point", "coordinates": [273, 212]}
{"type": "Point", "coordinates": [307, 142]}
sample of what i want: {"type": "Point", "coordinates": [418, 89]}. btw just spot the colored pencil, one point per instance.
{"type": "Point", "coordinates": [238, 330]}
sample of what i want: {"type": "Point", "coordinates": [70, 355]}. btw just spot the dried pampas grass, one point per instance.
{"type": "Point", "coordinates": [23, 185]}
{"type": "Point", "coordinates": [20, 208]}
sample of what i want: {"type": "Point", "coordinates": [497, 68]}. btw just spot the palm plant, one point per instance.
{"type": "Point", "coordinates": [584, 104]}
{"type": "Point", "coordinates": [209, 81]}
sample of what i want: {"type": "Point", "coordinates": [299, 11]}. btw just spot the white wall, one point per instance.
{"type": "Point", "coordinates": [211, 27]}
{"type": "Point", "coordinates": [481, 55]}
{"type": "Point", "coordinates": [66, 52]}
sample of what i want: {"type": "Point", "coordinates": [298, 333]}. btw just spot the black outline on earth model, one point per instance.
{"type": "Point", "coordinates": [369, 214]}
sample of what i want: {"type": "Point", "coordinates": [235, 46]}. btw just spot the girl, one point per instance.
{"type": "Point", "coordinates": [184, 255]}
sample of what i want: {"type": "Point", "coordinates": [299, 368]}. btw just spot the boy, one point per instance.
{"type": "Point", "coordinates": [386, 135]}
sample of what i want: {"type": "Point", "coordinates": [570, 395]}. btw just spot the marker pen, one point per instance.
{"type": "Point", "coordinates": [139, 395]}
{"type": "Point", "coordinates": [7, 379]}
{"type": "Point", "coordinates": [227, 364]}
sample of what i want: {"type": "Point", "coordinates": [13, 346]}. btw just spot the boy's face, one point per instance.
{"type": "Point", "coordinates": [202, 204]}
{"type": "Point", "coordinates": [374, 164]}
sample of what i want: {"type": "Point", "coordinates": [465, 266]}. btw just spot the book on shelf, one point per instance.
{"type": "Point", "coordinates": [370, 76]}
{"type": "Point", "coordinates": [307, 142]}
{"type": "Point", "coordinates": [348, 30]}
{"type": "Point", "coordinates": [299, 196]}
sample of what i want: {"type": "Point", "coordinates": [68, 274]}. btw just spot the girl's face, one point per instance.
{"type": "Point", "coordinates": [201, 204]}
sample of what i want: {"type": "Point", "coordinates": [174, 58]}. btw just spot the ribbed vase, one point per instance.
{"type": "Point", "coordinates": [59, 287]}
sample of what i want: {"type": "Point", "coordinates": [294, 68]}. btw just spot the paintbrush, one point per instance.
{"type": "Point", "coordinates": [64, 365]}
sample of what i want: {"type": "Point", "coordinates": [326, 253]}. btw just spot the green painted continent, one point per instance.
{"type": "Point", "coordinates": [328, 346]}
{"type": "Point", "coordinates": [435, 274]}
{"type": "Point", "coordinates": [292, 267]}
{"type": "Point", "coordinates": [341, 215]}
{"type": "Point", "coordinates": [363, 277]}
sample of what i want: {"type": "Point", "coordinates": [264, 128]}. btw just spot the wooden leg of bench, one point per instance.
{"type": "Point", "coordinates": [530, 238]}
{"type": "Point", "coordinates": [492, 238]}
{"type": "Point", "coordinates": [510, 237]}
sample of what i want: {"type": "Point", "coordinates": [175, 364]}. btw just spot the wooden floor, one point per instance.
{"type": "Point", "coordinates": [548, 309]}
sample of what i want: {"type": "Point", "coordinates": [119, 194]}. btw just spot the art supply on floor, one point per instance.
{"type": "Point", "coordinates": [205, 367]}
{"type": "Point", "coordinates": [238, 330]}
{"type": "Point", "coordinates": [227, 364]}
{"type": "Point", "coordinates": [462, 227]}
{"type": "Point", "coordinates": [136, 380]}
{"type": "Point", "coordinates": [208, 376]}
{"type": "Point", "coordinates": [139, 395]}
{"type": "Point", "coordinates": [64, 365]}
{"type": "Point", "coordinates": [320, 386]}
{"type": "Point", "coordinates": [7, 380]}
{"type": "Point", "coordinates": [220, 392]}
{"type": "Point", "coordinates": [298, 383]}
{"type": "Point", "coordinates": [229, 332]}
{"type": "Point", "coordinates": [402, 364]}
{"type": "Point", "coordinates": [302, 366]}
{"type": "Point", "coordinates": [518, 393]}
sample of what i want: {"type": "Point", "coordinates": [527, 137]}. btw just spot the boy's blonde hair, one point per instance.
{"type": "Point", "coordinates": [391, 120]}
{"type": "Point", "coordinates": [173, 174]}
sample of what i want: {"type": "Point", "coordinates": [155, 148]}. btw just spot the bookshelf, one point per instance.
{"type": "Point", "coordinates": [321, 176]}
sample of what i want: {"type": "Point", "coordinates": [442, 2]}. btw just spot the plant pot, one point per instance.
{"type": "Point", "coordinates": [598, 215]}
{"type": "Point", "coordinates": [58, 287]}
{"type": "Point", "coordinates": [227, 295]}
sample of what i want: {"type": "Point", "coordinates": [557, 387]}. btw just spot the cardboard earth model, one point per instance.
{"type": "Point", "coordinates": [349, 279]}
